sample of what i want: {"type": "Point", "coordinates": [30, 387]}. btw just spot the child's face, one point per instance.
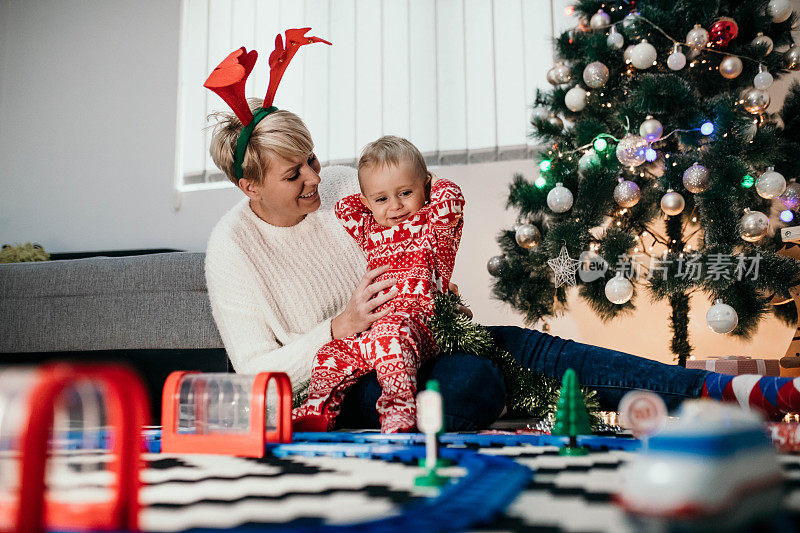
{"type": "Point", "coordinates": [392, 193]}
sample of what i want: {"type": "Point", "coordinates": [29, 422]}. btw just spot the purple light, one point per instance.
{"type": "Point", "coordinates": [650, 155]}
{"type": "Point", "coordinates": [707, 128]}
{"type": "Point", "coordinates": [787, 216]}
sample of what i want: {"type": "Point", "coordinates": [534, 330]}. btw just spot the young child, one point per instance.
{"type": "Point", "coordinates": [411, 221]}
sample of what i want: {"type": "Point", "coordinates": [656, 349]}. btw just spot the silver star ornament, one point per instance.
{"type": "Point", "coordinates": [564, 268]}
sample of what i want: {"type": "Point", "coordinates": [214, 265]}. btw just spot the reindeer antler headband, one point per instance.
{"type": "Point", "coordinates": [229, 78]}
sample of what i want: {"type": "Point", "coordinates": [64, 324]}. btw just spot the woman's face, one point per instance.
{"type": "Point", "coordinates": [288, 192]}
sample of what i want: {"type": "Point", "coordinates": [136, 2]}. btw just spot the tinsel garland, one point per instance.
{"type": "Point", "coordinates": [526, 390]}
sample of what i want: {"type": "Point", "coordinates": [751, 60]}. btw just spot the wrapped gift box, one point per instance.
{"type": "Point", "coordinates": [737, 364]}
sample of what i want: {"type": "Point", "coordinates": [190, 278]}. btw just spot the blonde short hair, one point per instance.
{"type": "Point", "coordinates": [391, 150]}
{"type": "Point", "coordinates": [280, 133]}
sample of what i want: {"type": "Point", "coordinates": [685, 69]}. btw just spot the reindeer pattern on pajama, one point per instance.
{"type": "Point", "coordinates": [421, 253]}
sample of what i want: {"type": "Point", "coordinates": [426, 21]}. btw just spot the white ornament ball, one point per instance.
{"type": "Point", "coordinates": [626, 55]}
{"type": "Point", "coordinates": [559, 199]}
{"type": "Point", "coordinates": [779, 10]}
{"type": "Point", "coordinates": [696, 178]}
{"type": "Point", "coordinates": [631, 150]}
{"type": "Point", "coordinates": [589, 160]}
{"type": "Point", "coordinates": [753, 225]}
{"type": "Point", "coordinates": [619, 290]}
{"type": "Point", "coordinates": [676, 60]}
{"type": "Point", "coordinates": [595, 74]}
{"type": "Point", "coordinates": [770, 184]}
{"type": "Point", "coordinates": [495, 265]}
{"type": "Point", "coordinates": [528, 236]}
{"type": "Point", "coordinates": [672, 203]}
{"type": "Point", "coordinates": [651, 129]}
{"type": "Point", "coordinates": [540, 113]}
{"type": "Point", "coordinates": [599, 20]}
{"type": "Point", "coordinates": [615, 40]}
{"type": "Point", "coordinates": [730, 67]}
{"type": "Point", "coordinates": [643, 55]}
{"type": "Point", "coordinates": [627, 193]}
{"type": "Point", "coordinates": [763, 80]}
{"type": "Point", "coordinates": [721, 317]}
{"type": "Point", "coordinates": [697, 37]}
{"type": "Point", "coordinates": [575, 99]}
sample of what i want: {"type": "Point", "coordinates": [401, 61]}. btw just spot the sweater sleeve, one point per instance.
{"type": "Point", "coordinates": [447, 205]}
{"type": "Point", "coordinates": [353, 215]}
{"type": "Point", "coordinates": [244, 319]}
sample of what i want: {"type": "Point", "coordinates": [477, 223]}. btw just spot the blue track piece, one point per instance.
{"type": "Point", "coordinates": [467, 440]}
{"type": "Point", "coordinates": [490, 485]}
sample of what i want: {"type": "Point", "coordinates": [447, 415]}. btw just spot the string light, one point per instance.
{"type": "Point", "coordinates": [787, 216]}
{"type": "Point", "coordinates": [707, 128]}
{"type": "Point", "coordinates": [545, 165]}
{"type": "Point", "coordinates": [540, 182]}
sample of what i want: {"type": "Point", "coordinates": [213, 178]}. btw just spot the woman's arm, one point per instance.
{"type": "Point", "coordinates": [246, 323]}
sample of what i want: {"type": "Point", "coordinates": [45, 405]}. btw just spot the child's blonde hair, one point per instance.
{"type": "Point", "coordinates": [280, 133]}
{"type": "Point", "coordinates": [391, 150]}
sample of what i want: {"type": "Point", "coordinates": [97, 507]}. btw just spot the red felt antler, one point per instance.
{"type": "Point", "coordinates": [229, 78]}
{"type": "Point", "coordinates": [280, 57]}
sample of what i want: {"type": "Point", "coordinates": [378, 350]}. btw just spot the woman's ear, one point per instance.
{"type": "Point", "coordinates": [248, 187]}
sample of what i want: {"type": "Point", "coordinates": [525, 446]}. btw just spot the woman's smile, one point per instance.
{"type": "Point", "coordinates": [309, 196]}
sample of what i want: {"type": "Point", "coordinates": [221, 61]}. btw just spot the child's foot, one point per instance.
{"type": "Point", "coordinates": [310, 423]}
{"type": "Point", "coordinates": [770, 394]}
{"type": "Point", "coordinates": [398, 423]}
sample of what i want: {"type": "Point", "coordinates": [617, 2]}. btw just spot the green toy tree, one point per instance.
{"type": "Point", "coordinates": [662, 164]}
{"type": "Point", "coordinates": [572, 418]}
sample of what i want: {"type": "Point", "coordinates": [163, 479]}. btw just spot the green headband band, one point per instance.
{"type": "Point", "coordinates": [244, 138]}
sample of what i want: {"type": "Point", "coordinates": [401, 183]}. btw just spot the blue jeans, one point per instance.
{"type": "Point", "coordinates": [473, 389]}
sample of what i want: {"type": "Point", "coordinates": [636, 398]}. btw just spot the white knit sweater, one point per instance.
{"type": "Point", "coordinates": [274, 290]}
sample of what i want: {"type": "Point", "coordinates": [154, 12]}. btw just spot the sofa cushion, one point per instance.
{"type": "Point", "coordinates": [156, 301]}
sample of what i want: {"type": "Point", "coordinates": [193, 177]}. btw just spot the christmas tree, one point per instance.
{"type": "Point", "coordinates": [572, 418]}
{"type": "Point", "coordinates": [662, 171]}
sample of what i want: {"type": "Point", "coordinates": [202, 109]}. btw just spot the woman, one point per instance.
{"type": "Point", "coordinates": [284, 278]}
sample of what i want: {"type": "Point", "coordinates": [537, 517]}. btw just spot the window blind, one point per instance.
{"type": "Point", "coordinates": [456, 77]}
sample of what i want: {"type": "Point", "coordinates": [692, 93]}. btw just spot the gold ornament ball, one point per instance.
{"type": "Point", "coordinates": [753, 225]}
{"type": "Point", "coordinates": [562, 74]}
{"type": "Point", "coordinates": [791, 59]}
{"type": "Point", "coordinates": [730, 67]}
{"type": "Point", "coordinates": [631, 150]}
{"type": "Point", "coordinates": [495, 265]}
{"type": "Point", "coordinates": [627, 194]}
{"type": "Point", "coordinates": [696, 178]}
{"type": "Point", "coordinates": [556, 122]}
{"type": "Point", "coordinates": [599, 20]}
{"type": "Point", "coordinates": [672, 203]}
{"type": "Point", "coordinates": [755, 101]}
{"type": "Point", "coordinates": [528, 236]}
{"type": "Point", "coordinates": [763, 44]}
{"type": "Point", "coordinates": [595, 74]}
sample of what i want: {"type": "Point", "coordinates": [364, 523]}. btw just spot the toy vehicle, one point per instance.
{"type": "Point", "coordinates": [713, 468]}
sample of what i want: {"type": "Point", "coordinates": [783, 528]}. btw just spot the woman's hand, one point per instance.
{"type": "Point", "coordinates": [464, 310]}
{"type": "Point", "coordinates": [360, 312]}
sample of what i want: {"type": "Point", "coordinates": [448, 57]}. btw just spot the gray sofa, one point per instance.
{"type": "Point", "coordinates": [151, 311]}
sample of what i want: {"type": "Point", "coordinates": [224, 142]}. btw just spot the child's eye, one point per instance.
{"type": "Point", "coordinates": [381, 199]}
{"type": "Point", "coordinates": [405, 193]}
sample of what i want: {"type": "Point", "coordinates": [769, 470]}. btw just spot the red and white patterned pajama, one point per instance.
{"type": "Point", "coordinates": [421, 253]}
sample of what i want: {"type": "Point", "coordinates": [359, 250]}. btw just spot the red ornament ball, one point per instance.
{"type": "Point", "coordinates": [723, 31]}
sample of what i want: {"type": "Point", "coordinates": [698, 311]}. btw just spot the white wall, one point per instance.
{"type": "Point", "coordinates": [88, 106]}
